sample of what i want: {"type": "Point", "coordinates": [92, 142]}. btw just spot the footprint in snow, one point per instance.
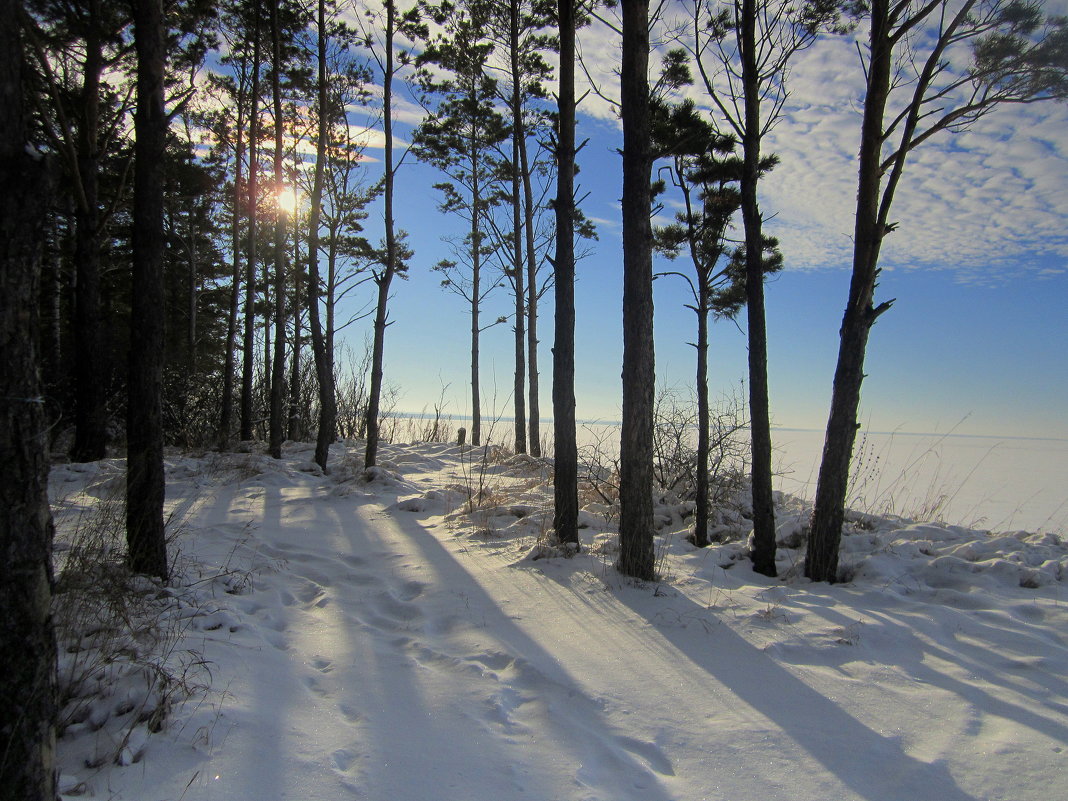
{"type": "Point", "coordinates": [349, 712]}
{"type": "Point", "coordinates": [343, 759]}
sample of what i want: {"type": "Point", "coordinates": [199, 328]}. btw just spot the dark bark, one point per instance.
{"type": "Point", "coordinates": [278, 361]}
{"type": "Point", "coordinates": [293, 428]}
{"type": "Point", "coordinates": [90, 412]}
{"type": "Point", "coordinates": [323, 369]}
{"type": "Point", "coordinates": [476, 290]}
{"type": "Point", "coordinates": [191, 288]}
{"type": "Point", "coordinates": [248, 360]}
{"type": "Point", "coordinates": [533, 401]}
{"type": "Point", "coordinates": [226, 415]}
{"type": "Point", "coordinates": [27, 642]}
{"type": "Point", "coordinates": [763, 553]}
{"type": "Point", "coordinates": [476, 269]}
{"type": "Point", "coordinates": [700, 519]}
{"type": "Point", "coordinates": [636, 446]}
{"type": "Point", "coordinates": [146, 541]}
{"type": "Point", "coordinates": [565, 481]}
{"type": "Point", "coordinates": [385, 279]}
{"type": "Point", "coordinates": [518, 134]}
{"type": "Point", "coordinates": [821, 560]}
{"type": "Point", "coordinates": [227, 403]}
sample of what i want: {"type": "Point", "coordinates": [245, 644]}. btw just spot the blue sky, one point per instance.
{"type": "Point", "coordinates": [976, 342]}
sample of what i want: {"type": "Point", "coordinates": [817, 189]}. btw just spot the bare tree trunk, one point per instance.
{"type": "Point", "coordinates": [821, 560]}
{"type": "Point", "coordinates": [533, 401]}
{"type": "Point", "coordinates": [320, 349]}
{"type": "Point", "coordinates": [700, 520]}
{"type": "Point", "coordinates": [636, 446]}
{"type": "Point", "coordinates": [385, 278]}
{"type": "Point", "coordinates": [248, 365]}
{"type": "Point", "coordinates": [145, 537]}
{"type": "Point", "coordinates": [476, 276]}
{"type": "Point", "coordinates": [763, 554]}
{"type": "Point", "coordinates": [90, 414]}
{"type": "Point", "coordinates": [518, 134]}
{"type": "Point", "coordinates": [278, 363]}
{"type": "Point", "coordinates": [293, 427]}
{"type": "Point", "coordinates": [191, 287]}
{"type": "Point", "coordinates": [476, 401]}
{"type": "Point", "coordinates": [27, 642]}
{"type": "Point", "coordinates": [565, 472]}
{"type": "Point", "coordinates": [226, 416]}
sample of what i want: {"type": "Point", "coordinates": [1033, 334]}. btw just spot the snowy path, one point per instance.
{"type": "Point", "coordinates": [386, 652]}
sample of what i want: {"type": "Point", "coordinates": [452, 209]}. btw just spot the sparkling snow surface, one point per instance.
{"type": "Point", "coordinates": [372, 639]}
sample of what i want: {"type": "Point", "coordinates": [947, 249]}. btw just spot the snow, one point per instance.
{"type": "Point", "coordinates": [373, 636]}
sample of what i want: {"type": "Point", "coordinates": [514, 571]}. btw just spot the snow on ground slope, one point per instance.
{"type": "Point", "coordinates": [379, 639]}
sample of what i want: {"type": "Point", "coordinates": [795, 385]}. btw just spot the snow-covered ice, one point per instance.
{"type": "Point", "coordinates": [371, 637]}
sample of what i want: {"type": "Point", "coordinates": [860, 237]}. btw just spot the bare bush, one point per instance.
{"type": "Point", "coordinates": [121, 666]}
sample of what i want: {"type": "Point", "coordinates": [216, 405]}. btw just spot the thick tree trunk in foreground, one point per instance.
{"type": "Point", "coordinates": [763, 554]}
{"type": "Point", "coordinates": [27, 643]}
{"type": "Point", "coordinates": [565, 481]}
{"type": "Point", "coordinates": [147, 549]}
{"type": "Point", "coordinates": [636, 446]}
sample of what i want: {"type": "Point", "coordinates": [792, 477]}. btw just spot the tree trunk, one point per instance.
{"type": "Point", "coordinates": [533, 401]}
{"type": "Point", "coordinates": [323, 370]}
{"type": "Point", "coordinates": [145, 536]}
{"type": "Point", "coordinates": [27, 642]}
{"type": "Point", "coordinates": [763, 553]}
{"type": "Point", "coordinates": [227, 412]}
{"type": "Point", "coordinates": [90, 414]}
{"type": "Point", "coordinates": [294, 428]}
{"type": "Point", "coordinates": [191, 287]}
{"type": "Point", "coordinates": [389, 269]}
{"type": "Point", "coordinates": [278, 363]}
{"type": "Point", "coordinates": [636, 446]}
{"type": "Point", "coordinates": [821, 560]}
{"type": "Point", "coordinates": [518, 134]}
{"type": "Point", "coordinates": [565, 480]}
{"type": "Point", "coordinates": [476, 276]}
{"type": "Point", "coordinates": [248, 364]}
{"type": "Point", "coordinates": [700, 520]}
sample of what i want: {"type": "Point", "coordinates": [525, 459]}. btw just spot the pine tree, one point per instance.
{"type": "Point", "coordinates": [706, 173]}
{"type": "Point", "coordinates": [1017, 57]}
{"type": "Point", "coordinates": [394, 253]}
{"type": "Point", "coordinates": [743, 55]}
{"type": "Point", "coordinates": [460, 137]}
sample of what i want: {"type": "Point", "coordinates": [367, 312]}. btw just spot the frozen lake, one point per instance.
{"type": "Point", "coordinates": [998, 483]}
{"type": "Point", "coordinates": [979, 482]}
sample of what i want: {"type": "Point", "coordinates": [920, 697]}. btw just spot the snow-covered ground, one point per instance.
{"type": "Point", "coordinates": [377, 639]}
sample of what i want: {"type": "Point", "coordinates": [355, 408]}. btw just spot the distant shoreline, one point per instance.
{"type": "Point", "coordinates": [547, 421]}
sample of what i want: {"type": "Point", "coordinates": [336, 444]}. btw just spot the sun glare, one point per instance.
{"type": "Point", "coordinates": [287, 199]}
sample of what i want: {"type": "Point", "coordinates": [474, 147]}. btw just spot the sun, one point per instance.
{"type": "Point", "coordinates": [287, 199]}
